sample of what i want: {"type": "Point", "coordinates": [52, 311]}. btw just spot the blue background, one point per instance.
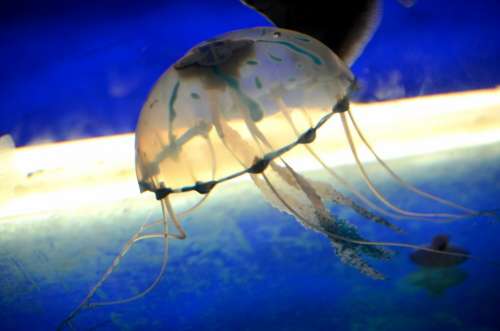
{"type": "Point", "coordinates": [73, 69]}
{"type": "Point", "coordinates": [248, 266]}
{"type": "Point", "coordinates": [83, 68]}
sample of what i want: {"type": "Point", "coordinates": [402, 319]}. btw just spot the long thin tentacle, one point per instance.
{"type": "Point", "coordinates": [214, 173]}
{"type": "Point", "coordinates": [84, 304]}
{"type": "Point", "coordinates": [165, 204]}
{"type": "Point", "coordinates": [166, 209]}
{"type": "Point", "coordinates": [361, 242]}
{"type": "Point", "coordinates": [296, 214]}
{"type": "Point", "coordinates": [401, 181]}
{"type": "Point", "coordinates": [333, 173]}
{"type": "Point", "coordinates": [138, 236]}
{"type": "Point", "coordinates": [372, 187]}
{"type": "Point", "coordinates": [155, 282]}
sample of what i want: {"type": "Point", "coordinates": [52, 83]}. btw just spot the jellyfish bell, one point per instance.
{"type": "Point", "coordinates": [241, 82]}
{"type": "Point", "coordinates": [431, 259]}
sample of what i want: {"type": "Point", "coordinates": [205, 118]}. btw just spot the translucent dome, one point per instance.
{"type": "Point", "coordinates": [233, 101]}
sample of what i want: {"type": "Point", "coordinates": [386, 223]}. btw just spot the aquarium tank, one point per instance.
{"type": "Point", "coordinates": [249, 165]}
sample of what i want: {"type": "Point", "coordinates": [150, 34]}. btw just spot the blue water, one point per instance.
{"type": "Point", "coordinates": [73, 69]}
{"type": "Point", "coordinates": [247, 266]}
{"type": "Point", "coordinates": [84, 68]}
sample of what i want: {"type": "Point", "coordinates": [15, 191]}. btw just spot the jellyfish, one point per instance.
{"type": "Point", "coordinates": [238, 105]}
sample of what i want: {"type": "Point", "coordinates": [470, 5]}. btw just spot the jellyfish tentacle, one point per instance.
{"type": "Point", "coordinates": [214, 171]}
{"type": "Point", "coordinates": [308, 190]}
{"type": "Point", "coordinates": [348, 255]}
{"type": "Point", "coordinates": [376, 192]}
{"type": "Point", "coordinates": [366, 213]}
{"type": "Point", "coordinates": [286, 114]}
{"type": "Point", "coordinates": [138, 236]}
{"type": "Point", "coordinates": [183, 213]}
{"type": "Point", "coordinates": [165, 235]}
{"type": "Point", "coordinates": [116, 261]}
{"type": "Point", "coordinates": [331, 226]}
{"type": "Point", "coordinates": [307, 116]}
{"type": "Point", "coordinates": [166, 209]}
{"type": "Point", "coordinates": [85, 303]}
{"type": "Point", "coordinates": [401, 181]}
{"type": "Point", "coordinates": [223, 129]}
{"type": "Point", "coordinates": [240, 100]}
{"type": "Point", "coordinates": [321, 220]}
{"type": "Point", "coordinates": [185, 161]}
{"type": "Point", "coordinates": [359, 241]}
{"type": "Point", "coordinates": [198, 203]}
{"type": "Point", "coordinates": [255, 133]}
{"type": "Point", "coordinates": [202, 130]}
{"type": "Point", "coordinates": [245, 148]}
{"type": "Point", "coordinates": [422, 248]}
{"type": "Point", "coordinates": [326, 220]}
{"type": "Point", "coordinates": [212, 156]}
{"type": "Point", "coordinates": [166, 205]}
{"type": "Point", "coordinates": [247, 164]}
{"type": "Point", "coordinates": [351, 187]}
{"type": "Point", "coordinates": [363, 198]}
{"type": "Point", "coordinates": [258, 135]}
{"type": "Point", "coordinates": [172, 149]}
{"type": "Point", "coordinates": [329, 191]}
{"type": "Point", "coordinates": [247, 106]}
{"type": "Point", "coordinates": [238, 144]}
